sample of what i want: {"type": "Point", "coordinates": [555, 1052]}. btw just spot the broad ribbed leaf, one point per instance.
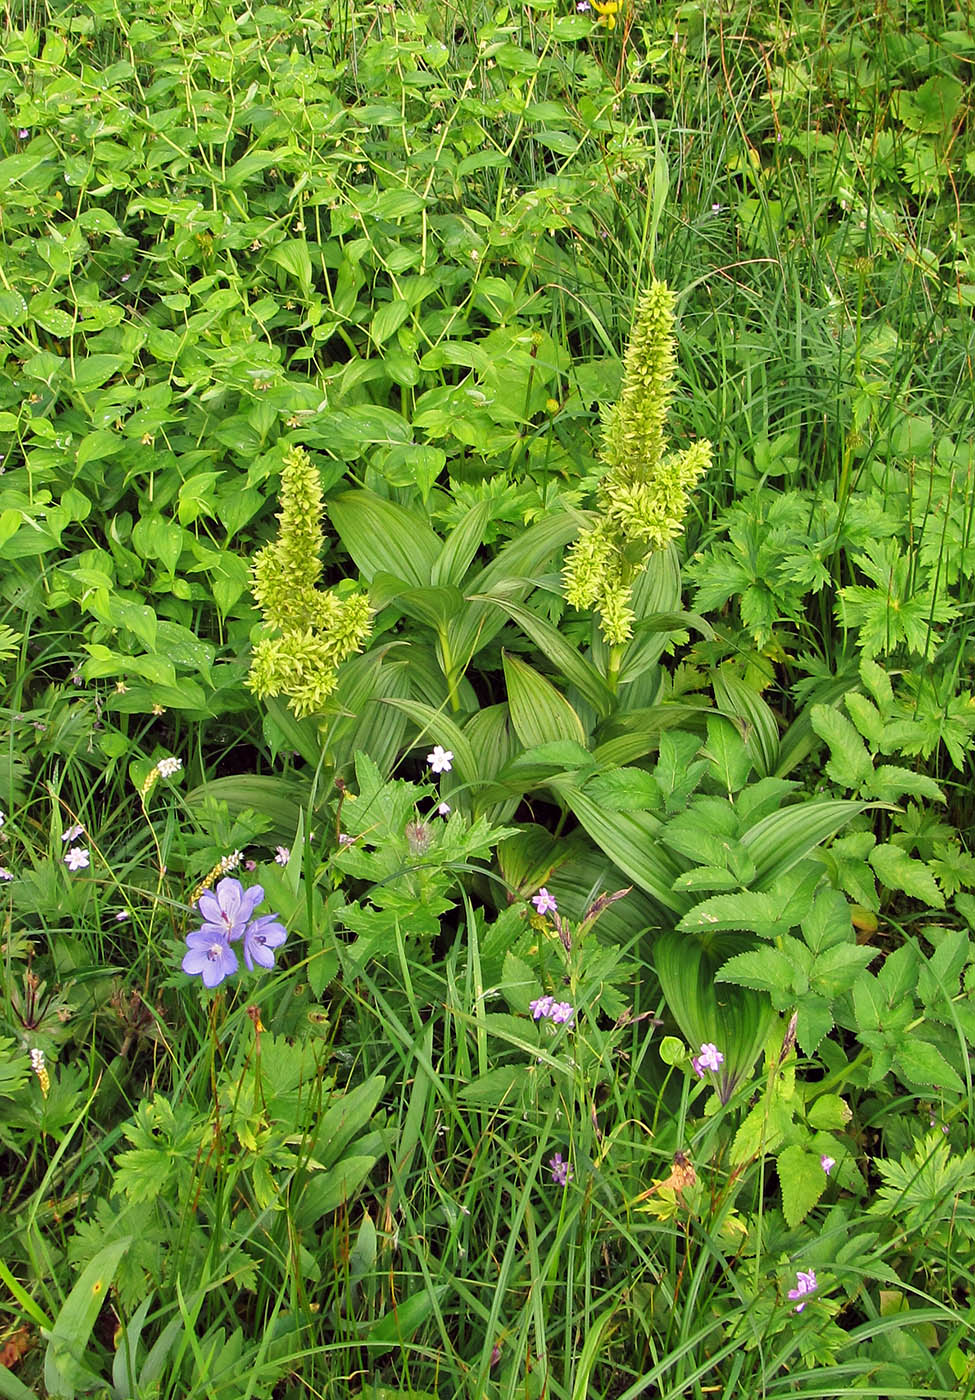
{"type": "Point", "coordinates": [631, 840]}
{"type": "Point", "coordinates": [460, 547]}
{"type": "Point", "coordinates": [734, 1019]}
{"type": "Point", "coordinates": [434, 606]}
{"type": "Point", "coordinates": [438, 728]}
{"type": "Point", "coordinates": [384, 537]}
{"type": "Point", "coordinates": [781, 840]}
{"type": "Point", "coordinates": [550, 642]}
{"type": "Point", "coordinates": [638, 733]}
{"type": "Point", "coordinates": [281, 801]}
{"type": "Point", "coordinates": [540, 715]}
{"type": "Point", "coordinates": [761, 736]}
{"type": "Point", "coordinates": [517, 561]}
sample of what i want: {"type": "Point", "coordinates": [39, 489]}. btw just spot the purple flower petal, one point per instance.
{"type": "Point", "coordinates": [260, 937]}
{"type": "Point", "coordinates": [229, 906]}
{"type": "Point", "coordinates": [210, 958]}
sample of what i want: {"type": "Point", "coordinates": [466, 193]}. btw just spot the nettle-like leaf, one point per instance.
{"type": "Point", "coordinates": [802, 1182]}
{"type": "Point", "coordinates": [850, 764]}
{"type": "Point", "coordinates": [898, 871]}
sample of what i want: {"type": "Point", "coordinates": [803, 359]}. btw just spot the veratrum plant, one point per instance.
{"type": "Point", "coordinates": [643, 496]}
{"type": "Point", "coordinates": [312, 630]}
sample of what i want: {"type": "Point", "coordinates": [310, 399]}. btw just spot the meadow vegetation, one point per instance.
{"type": "Point", "coordinates": [486, 561]}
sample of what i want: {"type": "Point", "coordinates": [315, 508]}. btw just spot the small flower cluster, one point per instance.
{"type": "Point", "coordinates": [710, 1058]}
{"type": "Point", "coordinates": [544, 902]}
{"type": "Point", "coordinates": [805, 1285]}
{"type": "Point", "coordinates": [547, 1008]}
{"type": "Point", "coordinates": [226, 913]}
{"type": "Point", "coordinates": [165, 768]}
{"type": "Point", "coordinates": [78, 857]}
{"type": "Point", "coordinates": [38, 1065]}
{"type": "Point", "coordinates": [561, 1170]}
{"type": "Point", "coordinates": [223, 866]}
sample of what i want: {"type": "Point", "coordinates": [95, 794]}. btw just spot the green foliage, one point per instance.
{"type": "Point", "coordinates": [381, 269]}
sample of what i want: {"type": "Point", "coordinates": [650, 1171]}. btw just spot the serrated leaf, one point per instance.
{"type": "Point", "coordinates": [763, 969]}
{"type": "Point", "coordinates": [624, 790]}
{"type": "Point", "coordinates": [898, 871]}
{"type": "Point", "coordinates": [891, 782]}
{"type": "Point", "coordinates": [829, 1112]}
{"type": "Point", "coordinates": [802, 1182]}
{"type": "Point", "coordinates": [850, 764]}
{"type": "Point", "coordinates": [919, 1062]}
{"type": "Point", "coordinates": [814, 1020]}
{"type": "Point", "coordinates": [865, 716]}
{"type": "Point", "coordinates": [748, 910]}
{"type": "Point", "coordinates": [726, 752]}
{"type": "Point", "coordinates": [707, 877]}
{"type": "Point", "coordinates": [899, 975]}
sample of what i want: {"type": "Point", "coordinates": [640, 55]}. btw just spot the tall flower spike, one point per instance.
{"type": "Point", "coordinates": [308, 632]}
{"type": "Point", "coordinates": [644, 494]}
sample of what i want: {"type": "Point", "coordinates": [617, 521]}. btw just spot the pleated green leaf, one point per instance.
{"type": "Point", "coordinates": [781, 840]}
{"type": "Point", "coordinates": [539, 713]}
{"type": "Point", "coordinates": [631, 840]}
{"type": "Point", "coordinates": [550, 642]}
{"type": "Point", "coordinates": [384, 537]}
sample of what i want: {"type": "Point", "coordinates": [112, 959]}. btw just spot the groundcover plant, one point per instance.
{"type": "Point", "coordinates": [486, 498]}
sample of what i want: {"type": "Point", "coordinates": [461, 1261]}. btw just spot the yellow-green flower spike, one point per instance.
{"type": "Point", "coordinates": [643, 496]}
{"type": "Point", "coordinates": [308, 632]}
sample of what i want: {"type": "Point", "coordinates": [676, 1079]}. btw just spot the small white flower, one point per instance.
{"type": "Point", "coordinates": [441, 759]}
{"type": "Point", "coordinates": [282, 855]}
{"type": "Point", "coordinates": [167, 767]}
{"type": "Point", "coordinates": [5, 874]}
{"type": "Point", "coordinates": [122, 915]}
{"type": "Point", "coordinates": [443, 810]}
{"type": "Point", "coordinates": [77, 858]}
{"type": "Point", "coordinates": [2, 819]}
{"type": "Point", "coordinates": [73, 832]}
{"type": "Point", "coordinates": [36, 1060]}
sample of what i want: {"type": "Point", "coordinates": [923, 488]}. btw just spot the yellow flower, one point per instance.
{"type": "Point", "coordinates": [607, 10]}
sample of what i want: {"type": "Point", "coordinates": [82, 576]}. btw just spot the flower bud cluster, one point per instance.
{"type": "Point", "coordinates": [643, 497]}
{"type": "Point", "coordinates": [310, 631]}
